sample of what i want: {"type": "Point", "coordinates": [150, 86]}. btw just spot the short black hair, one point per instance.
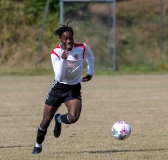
{"type": "Point", "coordinates": [62, 29]}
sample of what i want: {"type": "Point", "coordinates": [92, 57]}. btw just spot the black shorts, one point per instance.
{"type": "Point", "coordinates": [60, 93]}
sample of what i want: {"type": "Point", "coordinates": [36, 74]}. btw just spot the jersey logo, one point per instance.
{"type": "Point", "coordinates": [76, 56]}
{"type": "Point", "coordinates": [71, 66]}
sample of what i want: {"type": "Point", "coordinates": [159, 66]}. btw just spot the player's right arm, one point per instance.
{"type": "Point", "coordinates": [59, 65]}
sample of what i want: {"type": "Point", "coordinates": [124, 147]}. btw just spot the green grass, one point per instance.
{"type": "Point", "coordinates": [137, 41]}
{"type": "Point", "coordinates": [26, 71]}
{"type": "Point", "coordinates": [99, 70]}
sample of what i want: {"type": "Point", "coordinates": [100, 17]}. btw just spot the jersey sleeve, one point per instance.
{"type": "Point", "coordinates": [59, 66]}
{"type": "Point", "coordinates": [89, 59]}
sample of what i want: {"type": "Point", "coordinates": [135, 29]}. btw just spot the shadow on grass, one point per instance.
{"type": "Point", "coordinates": [100, 151]}
{"type": "Point", "coordinates": [118, 151]}
{"type": "Point", "coordinates": [19, 146]}
{"type": "Point", "coordinates": [20, 115]}
{"type": "Point", "coordinates": [138, 150]}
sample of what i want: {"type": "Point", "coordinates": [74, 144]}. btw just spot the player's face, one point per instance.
{"type": "Point", "coordinates": [67, 40]}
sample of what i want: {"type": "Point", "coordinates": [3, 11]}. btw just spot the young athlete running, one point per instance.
{"type": "Point", "coordinates": [67, 60]}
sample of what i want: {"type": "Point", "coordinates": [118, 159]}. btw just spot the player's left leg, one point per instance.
{"type": "Point", "coordinates": [74, 107]}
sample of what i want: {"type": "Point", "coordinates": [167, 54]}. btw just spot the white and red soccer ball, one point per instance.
{"type": "Point", "coordinates": [121, 130]}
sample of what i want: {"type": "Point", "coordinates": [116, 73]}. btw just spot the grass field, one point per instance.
{"type": "Point", "coordinates": [141, 100]}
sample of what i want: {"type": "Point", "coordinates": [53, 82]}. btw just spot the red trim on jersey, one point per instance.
{"type": "Point", "coordinates": [53, 52]}
{"type": "Point", "coordinates": [58, 46]}
{"type": "Point", "coordinates": [81, 45]}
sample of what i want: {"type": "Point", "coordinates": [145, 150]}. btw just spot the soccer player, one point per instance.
{"type": "Point", "coordinates": [67, 60]}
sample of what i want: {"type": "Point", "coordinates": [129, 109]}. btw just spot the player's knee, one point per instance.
{"type": "Point", "coordinates": [73, 118]}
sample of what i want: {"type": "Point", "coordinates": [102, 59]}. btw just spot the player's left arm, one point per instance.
{"type": "Point", "coordinates": [90, 61]}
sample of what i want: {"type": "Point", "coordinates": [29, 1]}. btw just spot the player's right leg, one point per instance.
{"type": "Point", "coordinates": [48, 115]}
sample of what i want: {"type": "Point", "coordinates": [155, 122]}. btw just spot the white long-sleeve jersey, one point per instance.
{"type": "Point", "coordinates": [69, 71]}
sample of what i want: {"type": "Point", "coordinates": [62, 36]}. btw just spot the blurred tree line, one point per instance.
{"type": "Point", "coordinates": [137, 31]}
{"type": "Point", "coordinates": [20, 23]}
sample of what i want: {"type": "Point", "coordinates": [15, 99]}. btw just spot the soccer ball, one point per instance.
{"type": "Point", "coordinates": [121, 130]}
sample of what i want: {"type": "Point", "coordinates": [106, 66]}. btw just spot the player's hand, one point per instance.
{"type": "Point", "coordinates": [65, 54]}
{"type": "Point", "coordinates": [86, 78]}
